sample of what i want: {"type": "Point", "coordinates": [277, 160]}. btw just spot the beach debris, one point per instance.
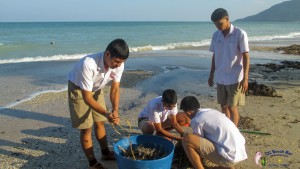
{"type": "Point", "coordinates": [272, 67]}
{"type": "Point", "coordinates": [293, 49]}
{"type": "Point", "coordinates": [255, 89]}
{"type": "Point", "coordinates": [141, 152]}
{"type": "Point", "coordinates": [246, 123]}
{"type": "Point", "coordinates": [295, 121]}
{"type": "Point", "coordinates": [254, 132]}
{"type": "Point", "coordinates": [246, 126]}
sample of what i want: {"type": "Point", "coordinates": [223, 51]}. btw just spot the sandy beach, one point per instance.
{"type": "Point", "coordinates": [37, 133]}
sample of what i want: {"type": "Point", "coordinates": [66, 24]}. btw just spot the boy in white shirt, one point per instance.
{"type": "Point", "coordinates": [230, 64]}
{"type": "Point", "coordinates": [160, 115]}
{"type": "Point", "coordinates": [86, 98]}
{"type": "Point", "coordinates": [215, 137]}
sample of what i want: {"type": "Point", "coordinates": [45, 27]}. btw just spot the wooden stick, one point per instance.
{"type": "Point", "coordinates": [120, 126]}
{"type": "Point", "coordinates": [131, 148]}
{"type": "Point", "coordinates": [112, 125]}
{"type": "Point", "coordinates": [254, 132]}
{"type": "Point", "coordinates": [129, 124]}
{"type": "Point", "coordinates": [122, 149]}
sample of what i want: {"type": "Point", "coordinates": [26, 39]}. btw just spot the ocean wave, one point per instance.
{"type": "Point", "coordinates": [170, 68]}
{"type": "Point", "coordinates": [170, 46]}
{"type": "Point", "coordinates": [277, 36]}
{"type": "Point", "coordinates": [10, 105]}
{"type": "Point", "coordinates": [42, 58]}
{"type": "Point", "coordinates": [166, 47]}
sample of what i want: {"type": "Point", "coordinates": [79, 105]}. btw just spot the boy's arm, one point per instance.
{"type": "Point", "coordinates": [212, 72]}
{"type": "Point", "coordinates": [164, 132]}
{"type": "Point", "coordinates": [115, 98]}
{"type": "Point", "coordinates": [89, 100]}
{"type": "Point", "coordinates": [246, 65]}
{"type": "Point", "coordinates": [175, 125]}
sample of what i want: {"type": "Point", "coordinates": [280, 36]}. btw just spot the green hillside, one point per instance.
{"type": "Point", "coordinates": [288, 11]}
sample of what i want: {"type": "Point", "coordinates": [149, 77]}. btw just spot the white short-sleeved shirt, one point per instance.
{"type": "Point", "coordinates": [220, 130]}
{"type": "Point", "coordinates": [228, 52]}
{"type": "Point", "coordinates": [156, 112]}
{"type": "Point", "coordinates": [90, 74]}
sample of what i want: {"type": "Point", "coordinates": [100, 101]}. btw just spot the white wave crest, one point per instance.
{"type": "Point", "coordinates": [171, 46]}
{"type": "Point", "coordinates": [278, 36]}
{"type": "Point", "coordinates": [1, 44]}
{"type": "Point", "coordinates": [10, 105]}
{"type": "Point", "coordinates": [42, 58]}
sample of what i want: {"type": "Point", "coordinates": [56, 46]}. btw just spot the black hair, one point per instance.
{"type": "Point", "coordinates": [169, 96]}
{"type": "Point", "coordinates": [218, 14]}
{"type": "Point", "coordinates": [189, 103]}
{"type": "Point", "coordinates": [118, 48]}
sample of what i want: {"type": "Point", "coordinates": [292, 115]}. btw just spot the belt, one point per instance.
{"type": "Point", "coordinates": [73, 85]}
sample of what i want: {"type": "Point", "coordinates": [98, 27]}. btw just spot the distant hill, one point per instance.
{"type": "Point", "coordinates": [283, 12]}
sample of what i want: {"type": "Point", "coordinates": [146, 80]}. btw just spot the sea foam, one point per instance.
{"type": "Point", "coordinates": [170, 46]}
{"type": "Point", "coordinates": [276, 36]}
{"type": "Point", "coordinates": [43, 58]}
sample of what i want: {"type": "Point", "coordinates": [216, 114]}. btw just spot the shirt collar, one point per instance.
{"type": "Point", "coordinates": [231, 31]}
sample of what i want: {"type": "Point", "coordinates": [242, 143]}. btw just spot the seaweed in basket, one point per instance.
{"type": "Point", "coordinates": [141, 152]}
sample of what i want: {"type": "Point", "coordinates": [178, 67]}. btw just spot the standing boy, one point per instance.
{"type": "Point", "coordinates": [230, 64]}
{"type": "Point", "coordinates": [86, 99]}
{"type": "Point", "coordinates": [160, 115]}
{"type": "Point", "coordinates": [215, 137]}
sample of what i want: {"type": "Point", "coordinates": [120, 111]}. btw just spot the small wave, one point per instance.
{"type": "Point", "coordinates": [1, 44]}
{"type": "Point", "coordinates": [170, 68]}
{"type": "Point", "coordinates": [278, 36]}
{"type": "Point", "coordinates": [32, 96]}
{"type": "Point", "coordinates": [170, 46]}
{"type": "Point", "coordinates": [42, 58]}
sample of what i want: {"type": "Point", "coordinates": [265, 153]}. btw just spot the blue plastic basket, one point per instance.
{"type": "Point", "coordinates": [147, 141]}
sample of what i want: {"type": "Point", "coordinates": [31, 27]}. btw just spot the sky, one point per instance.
{"type": "Point", "coordinates": [126, 10]}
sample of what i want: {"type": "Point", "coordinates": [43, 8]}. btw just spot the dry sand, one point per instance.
{"type": "Point", "coordinates": [37, 133]}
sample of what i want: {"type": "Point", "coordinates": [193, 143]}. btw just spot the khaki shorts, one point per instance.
{"type": "Point", "coordinates": [82, 115]}
{"type": "Point", "coordinates": [209, 152]}
{"type": "Point", "coordinates": [230, 95]}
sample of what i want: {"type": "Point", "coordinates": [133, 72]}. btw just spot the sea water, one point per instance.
{"type": "Point", "coordinates": [36, 57]}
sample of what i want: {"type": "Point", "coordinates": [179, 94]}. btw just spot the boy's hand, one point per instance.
{"type": "Point", "coordinates": [184, 134]}
{"type": "Point", "coordinates": [178, 138]}
{"type": "Point", "coordinates": [244, 85]}
{"type": "Point", "coordinates": [210, 81]}
{"type": "Point", "coordinates": [110, 117]}
{"type": "Point", "coordinates": [116, 117]}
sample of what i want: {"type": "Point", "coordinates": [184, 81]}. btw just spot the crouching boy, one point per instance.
{"type": "Point", "coordinates": [160, 115]}
{"type": "Point", "coordinates": [215, 137]}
